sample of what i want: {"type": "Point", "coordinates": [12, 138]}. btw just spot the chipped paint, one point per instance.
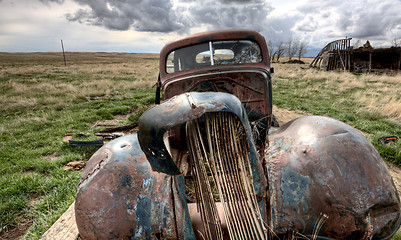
{"type": "Point", "coordinates": [143, 217]}
{"type": "Point", "coordinates": [311, 167]}
{"type": "Point", "coordinates": [125, 198]}
{"type": "Point", "coordinates": [295, 188]}
{"type": "Point", "coordinates": [281, 145]}
{"type": "Point", "coordinates": [336, 172]}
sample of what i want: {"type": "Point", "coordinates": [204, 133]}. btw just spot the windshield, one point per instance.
{"type": "Point", "coordinates": [213, 53]}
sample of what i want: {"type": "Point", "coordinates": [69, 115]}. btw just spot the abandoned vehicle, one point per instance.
{"type": "Point", "coordinates": [209, 162]}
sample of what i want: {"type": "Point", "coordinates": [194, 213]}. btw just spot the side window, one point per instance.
{"type": "Point", "coordinates": [170, 64]}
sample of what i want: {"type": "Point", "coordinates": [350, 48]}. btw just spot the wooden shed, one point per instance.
{"type": "Point", "coordinates": [340, 55]}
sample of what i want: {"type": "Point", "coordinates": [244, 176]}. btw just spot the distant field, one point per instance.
{"type": "Point", "coordinates": [42, 100]}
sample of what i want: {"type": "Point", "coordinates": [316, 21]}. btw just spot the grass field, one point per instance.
{"type": "Point", "coordinates": [42, 100]}
{"type": "Point", "coordinates": [370, 103]}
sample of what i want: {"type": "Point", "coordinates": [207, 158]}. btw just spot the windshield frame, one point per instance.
{"type": "Point", "coordinates": [187, 58]}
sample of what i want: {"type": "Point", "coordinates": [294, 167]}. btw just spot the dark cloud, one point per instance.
{"type": "Point", "coordinates": [317, 20]}
{"type": "Point", "coordinates": [248, 14]}
{"type": "Point", "coordinates": [160, 16]}
{"type": "Point", "coordinates": [141, 15]}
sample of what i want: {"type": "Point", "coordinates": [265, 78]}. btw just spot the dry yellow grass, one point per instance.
{"type": "Point", "coordinates": [108, 73]}
{"type": "Point", "coordinates": [42, 78]}
{"type": "Point", "coordinates": [378, 93]}
{"type": "Point", "coordinates": [32, 80]}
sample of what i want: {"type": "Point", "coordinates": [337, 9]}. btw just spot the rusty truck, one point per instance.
{"type": "Point", "coordinates": [209, 160]}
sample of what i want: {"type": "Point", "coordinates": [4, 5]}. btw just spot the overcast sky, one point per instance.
{"type": "Point", "coordinates": [146, 25]}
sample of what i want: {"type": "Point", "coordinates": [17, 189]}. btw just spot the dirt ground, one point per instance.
{"type": "Point", "coordinates": [285, 115]}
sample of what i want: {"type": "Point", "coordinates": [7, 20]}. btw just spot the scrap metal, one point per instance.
{"type": "Point", "coordinates": [223, 151]}
{"type": "Point", "coordinates": [314, 177]}
{"type": "Point", "coordinates": [320, 165]}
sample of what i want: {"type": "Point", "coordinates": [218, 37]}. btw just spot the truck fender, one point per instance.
{"type": "Point", "coordinates": [321, 169]}
{"type": "Point", "coordinates": [121, 197]}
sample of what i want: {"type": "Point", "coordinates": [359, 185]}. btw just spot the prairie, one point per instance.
{"type": "Point", "coordinates": [42, 100]}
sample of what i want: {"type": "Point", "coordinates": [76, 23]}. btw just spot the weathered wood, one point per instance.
{"type": "Point", "coordinates": [370, 61]}
{"type": "Point", "coordinates": [64, 228]}
{"type": "Point", "coordinates": [338, 57]}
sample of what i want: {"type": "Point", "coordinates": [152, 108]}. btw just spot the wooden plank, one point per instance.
{"type": "Point", "coordinates": [64, 228]}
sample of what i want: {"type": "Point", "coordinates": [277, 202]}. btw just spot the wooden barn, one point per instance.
{"type": "Point", "coordinates": [340, 55]}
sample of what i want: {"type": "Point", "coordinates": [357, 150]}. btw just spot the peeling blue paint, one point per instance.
{"type": "Point", "coordinates": [143, 217]}
{"type": "Point", "coordinates": [281, 145]}
{"type": "Point", "coordinates": [185, 230]}
{"type": "Point", "coordinates": [147, 182]}
{"type": "Point", "coordinates": [294, 187]}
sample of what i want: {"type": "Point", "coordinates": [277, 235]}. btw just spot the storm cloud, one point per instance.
{"type": "Point", "coordinates": [160, 16]}
{"type": "Point", "coordinates": [141, 15]}
{"type": "Point", "coordinates": [230, 14]}
{"type": "Point", "coordinates": [155, 22]}
{"type": "Point", "coordinates": [362, 19]}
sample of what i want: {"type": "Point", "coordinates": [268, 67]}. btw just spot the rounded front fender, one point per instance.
{"type": "Point", "coordinates": [319, 167]}
{"type": "Point", "coordinates": [121, 197]}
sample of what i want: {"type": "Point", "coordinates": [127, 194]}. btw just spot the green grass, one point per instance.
{"type": "Point", "coordinates": [397, 236]}
{"type": "Point", "coordinates": [40, 106]}
{"type": "Point", "coordinates": [327, 97]}
{"type": "Point", "coordinates": [338, 95]}
{"type": "Point", "coordinates": [29, 137]}
{"type": "Point", "coordinates": [42, 101]}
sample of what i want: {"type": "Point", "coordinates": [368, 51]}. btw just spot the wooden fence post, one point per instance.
{"type": "Point", "coordinates": [62, 46]}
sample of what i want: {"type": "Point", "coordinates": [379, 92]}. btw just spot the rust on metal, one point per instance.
{"type": "Point", "coordinates": [223, 151]}
{"type": "Point", "coordinates": [318, 165]}
{"type": "Point", "coordinates": [154, 123]}
{"type": "Point", "coordinates": [120, 197]}
{"type": "Point", "coordinates": [313, 177]}
{"type": "Point", "coordinates": [247, 79]}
